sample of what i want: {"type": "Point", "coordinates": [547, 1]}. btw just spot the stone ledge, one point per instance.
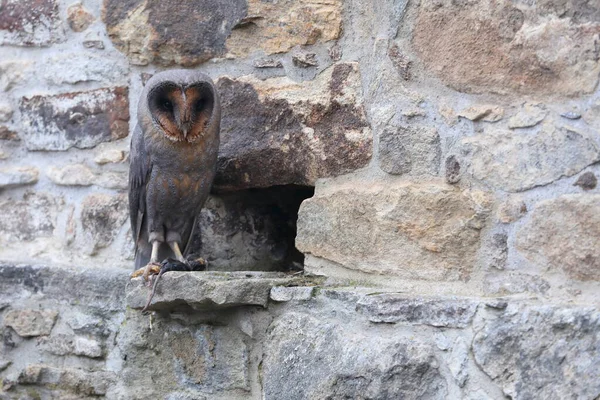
{"type": "Point", "coordinates": [210, 289]}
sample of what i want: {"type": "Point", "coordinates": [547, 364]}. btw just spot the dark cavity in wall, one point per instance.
{"type": "Point", "coordinates": [252, 230]}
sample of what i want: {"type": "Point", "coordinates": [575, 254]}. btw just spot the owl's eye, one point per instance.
{"type": "Point", "coordinates": [200, 105]}
{"type": "Point", "coordinates": [167, 105]}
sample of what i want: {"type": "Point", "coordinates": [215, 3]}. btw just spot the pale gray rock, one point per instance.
{"type": "Point", "coordinates": [83, 67]}
{"type": "Point", "coordinates": [515, 162]}
{"type": "Point", "coordinates": [32, 216]}
{"type": "Point", "coordinates": [13, 73]}
{"type": "Point", "coordinates": [6, 111]}
{"type": "Point", "coordinates": [439, 312]}
{"type": "Point", "coordinates": [71, 175]}
{"type": "Point", "coordinates": [508, 283]}
{"type": "Point", "coordinates": [29, 322]}
{"type": "Point", "coordinates": [405, 149]}
{"type": "Point", "coordinates": [459, 362]}
{"type": "Point", "coordinates": [487, 113]}
{"type": "Point", "coordinates": [562, 234]}
{"type": "Point", "coordinates": [542, 352]}
{"type": "Point", "coordinates": [309, 357]}
{"type": "Point", "coordinates": [267, 63]}
{"type": "Point", "coordinates": [528, 116]}
{"type": "Point", "coordinates": [297, 293]}
{"type": "Point", "coordinates": [208, 290]}
{"type": "Point", "coordinates": [18, 176]}
{"type": "Point", "coordinates": [87, 347]}
{"type": "Point", "coordinates": [102, 216]}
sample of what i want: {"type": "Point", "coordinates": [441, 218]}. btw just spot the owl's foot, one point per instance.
{"type": "Point", "coordinates": [152, 268]}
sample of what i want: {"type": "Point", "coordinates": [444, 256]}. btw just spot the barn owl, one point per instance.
{"type": "Point", "coordinates": [173, 159]}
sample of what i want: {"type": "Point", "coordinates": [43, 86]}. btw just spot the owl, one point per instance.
{"type": "Point", "coordinates": [173, 158]}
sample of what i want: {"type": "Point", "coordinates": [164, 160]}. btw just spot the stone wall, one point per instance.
{"type": "Point", "coordinates": [453, 147]}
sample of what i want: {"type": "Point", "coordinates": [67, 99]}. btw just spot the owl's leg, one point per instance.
{"type": "Point", "coordinates": [175, 247]}
{"type": "Point", "coordinates": [153, 267]}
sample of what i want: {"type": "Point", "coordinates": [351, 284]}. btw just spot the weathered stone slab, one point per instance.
{"type": "Point", "coordinates": [81, 120]}
{"type": "Point", "coordinates": [28, 323]}
{"type": "Point", "coordinates": [84, 67]}
{"type": "Point", "coordinates": [419, 231]}
{"type": "Point", "coordinates": [18, 176]}
{"type": "Point", "coordinates": [278, 132]}
{"type": "Point", "coordinates": [439, 312]}
{"type": "Point", "coordinates": [309, 357]}
{"type": "Point", "coordinates": [30, 23]}
{"type": "Point", "coordinates": [277, 27]}
{"type": "Point", "coordinates": [185, 33]}
{"type": "Point", "coordinates": [82, 382]}
{"type": "Point", "coordinates": [510, 47]}
{"type": "Point", "coordinates": [298, 293]}
{"type": "Point", "coordinates": [542, 352]}
{"type": "Point", "coordinates": [208, 290]}
{"type": "Point", "coordinates": [562, 234]}
{"type": "Point", "coordinates": [67, 344]}
{"type": "Point", "coordinates": [81, 175]}
{"type": "Point", "coordinates": [515, 162]}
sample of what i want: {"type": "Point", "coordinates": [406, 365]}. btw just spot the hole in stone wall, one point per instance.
{"type": "Point", "coordinates": [252, 230]}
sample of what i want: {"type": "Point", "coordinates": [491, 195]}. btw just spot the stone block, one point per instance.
{"type": "Point", "coordinates": [509, 47]}
{"type": "Point", "coordinates": [208, 290]}
{"type": "Point", "coordinates": [545, 352]}
{"type": "Point", "coordinates": [18, 176]}
{"type": "Point", "coordinates": [515, 162]}
{"type": "Point", "coordinates": [102, 216]}
{"type": "Point", "coordinates": [425, 231]}
{"type": "Point", "coordinates": [297, 293]}
{"type": "Point", "coordinates": [82, 119]}
{"type": "Point", "coordinates": [30, 23]}
{"type": "Point", "coordinates": [562, 234]}
{"type": "Point", "coordinates": [278, 132]}
{"type": "Point", "coordinates": [32, 216]}
{"type": "Point", "coordinates": [410, 149]}
{"type": "Point", "coordinates": [29, 322]}
{"type": "Point", "coordinates": [438, 312]}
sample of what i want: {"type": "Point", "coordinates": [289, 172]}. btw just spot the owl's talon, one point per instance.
{"type": "Point", "coordinates": [150, 269]}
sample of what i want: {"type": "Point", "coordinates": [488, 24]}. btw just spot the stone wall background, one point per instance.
{"type": "Point", "coordinates": [454, 148]}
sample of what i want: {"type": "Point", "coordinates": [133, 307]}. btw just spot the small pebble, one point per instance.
{"type": "Point", "coordinates": [571, 115]}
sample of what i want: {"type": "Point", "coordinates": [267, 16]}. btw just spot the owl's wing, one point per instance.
{"type": "Point", "coordinates": [139, 173]}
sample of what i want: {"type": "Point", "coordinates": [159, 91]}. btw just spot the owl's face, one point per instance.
{"type": "Point", "coordinates": [182, 111]}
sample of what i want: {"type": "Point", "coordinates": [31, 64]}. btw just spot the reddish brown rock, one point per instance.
{"type": "Point", "coordinates": [278, 132]}
{"type": "Point", "coordinates": [185, 33]}
{"type": "Point", "coordinates": [29, 22]}
{"type": "Point", "coordinates": [82, 119]}
{"type": "Point", "coordinates": [509, 47]}
{"type": "Point", "coordinates": [79, 18]}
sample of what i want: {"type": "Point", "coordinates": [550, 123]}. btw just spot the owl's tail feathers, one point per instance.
{"type": "Point", "coordinates": [142, 256]}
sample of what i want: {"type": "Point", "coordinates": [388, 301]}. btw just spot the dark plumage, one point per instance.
{"type": "Point", "coordinates": [172, 163]}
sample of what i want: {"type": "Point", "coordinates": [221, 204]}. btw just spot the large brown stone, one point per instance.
{"type": "Point", "coordinates": [563, 234]}
{"type": "Point", "coordinates": [30, 22]}
{"type": "Point", "coordinates": [506, 46]}
{"type": "Point", "coordinates": [278, 26]}
{"type": "Point", "coordinates": [168, 32]}
{"type": "Point", "coordinates": [514, 161]}
{"type": "Point", "coordinates": [424, 231]}
{"type": "Point", "coordinates": [81, 120]}
{"type": "Point", "coordinates": [278, 131]}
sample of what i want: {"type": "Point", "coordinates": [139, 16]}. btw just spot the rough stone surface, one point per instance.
{"type": "Point", "coordinates": [276, 27]}
{"type": "Point", "coordinates": [515, 162]}
{"type": "Point", "coordinates": [71, 175]}
{"type": "Point", "coordinates": [393, 308]}
{"type": "Point", "coordinates": [208, 290]}
{"type": "Point", "coordinates": [510, 47]}
{"type": "Point", "coordinates": [511, 210]}
{"type": "Point", "coordinates": [30, 23]}
{"type": "Point", "coordinates": [268, 63]}
{"type": "Point", "coordinates": [79, 381]}
{"type": "Point", "coordinates": [452, 170]}
{"type": "Point", "coordinates": [109, 156]}
{"type": "Point", "coordinates": [11, 177]}
{"type": "Point", "coordinates": [542, 352]}
{"type": "Point", "coordinates": [529, 115]}
{"type": "Point", "coordinates": [487, 113]}
{"type": "Point", "coordinates": [562, 234]}
{"type": "Point", "coordinates": [305, 60]}
{"type": "Point", "coordinates": [278, 132]}
{"type": "Point", "coordinates": [28, 323]}
{"type": "Point", "coordinates": [586, 181]}
{"type": "Point", "coordinates": [28, 217]}
{"type": "Point", "coordinates": [282, 293]}
{"type": "Point", "coordinates": [348, 362]}
{"type": "Point", "coordinates": [422, 231]}
{"type": "Point", "coordinates": [80, 120]}
{"type": "Point", "coordinates": [8, 134]}
{"type": "Point", "coordinates": [158, 31]}
{"type": "Point", "coordinates": [409, 149]}
{"type": "Point", "coordinates": [79, 18]}
{"type": "Point", "coordinates": [102, 216]}
{"type": "Point", "coordinates": [6, 111]}
{"type": "Point", "coordinates": [86, 68]}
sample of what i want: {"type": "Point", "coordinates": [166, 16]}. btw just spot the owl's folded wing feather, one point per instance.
{"type": "Point", "coordinates": [139, 173]}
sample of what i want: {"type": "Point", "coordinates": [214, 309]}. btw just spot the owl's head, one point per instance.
{"type": "Point", "coordinates": [182, 104]}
